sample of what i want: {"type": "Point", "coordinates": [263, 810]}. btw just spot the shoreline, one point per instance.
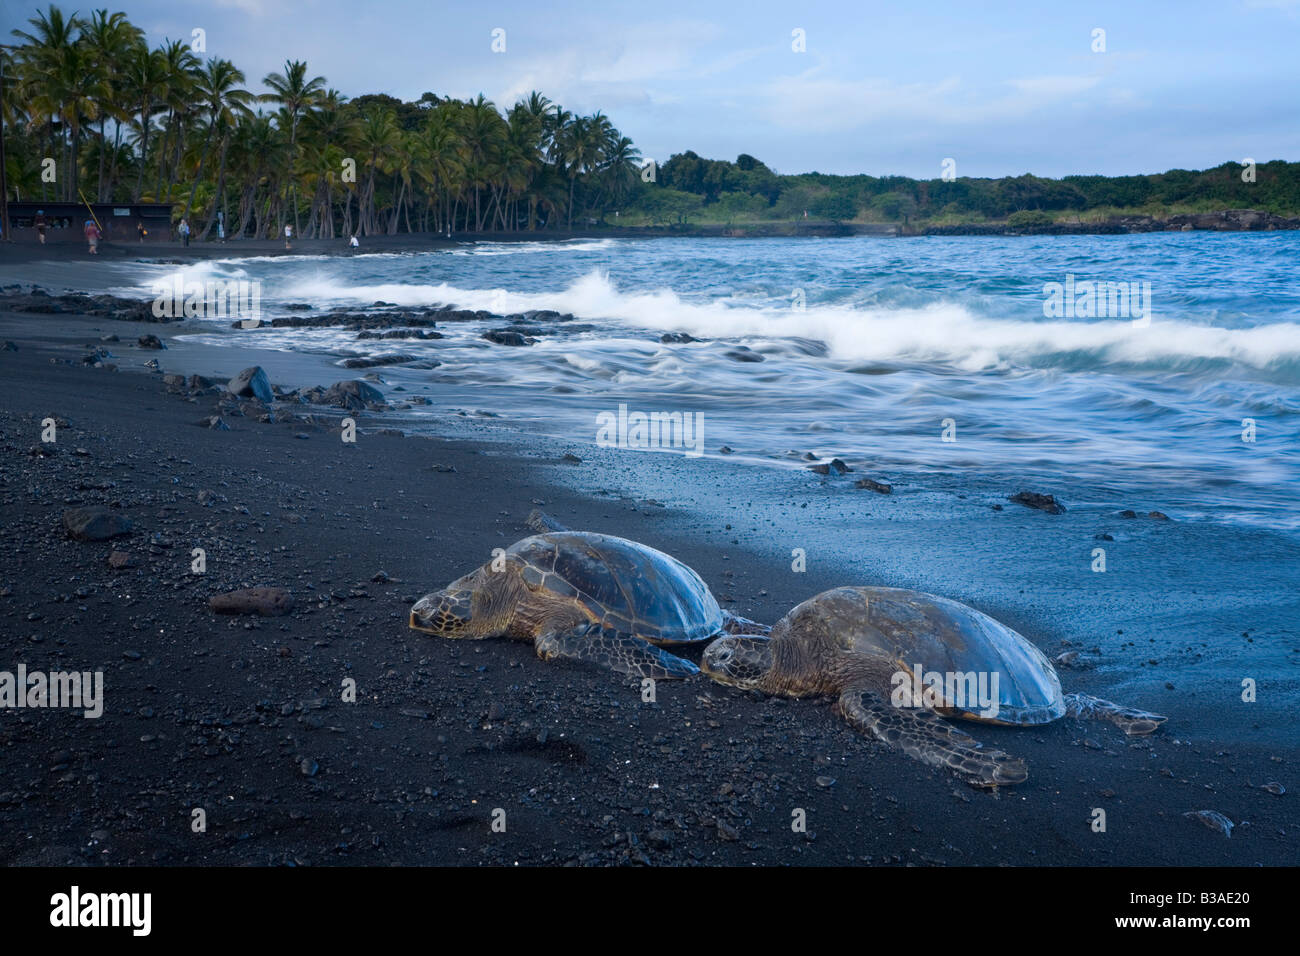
{"type": "Point", "coordinates": [1231, 220]}
{"type": "Point", "coordinates": [196, 704]}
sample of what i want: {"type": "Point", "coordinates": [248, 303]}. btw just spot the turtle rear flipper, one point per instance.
{"type": "Point", "coordinates": [625, 653]}
{"type": "Point", "coordinates": [1135, 723]}
{"type": "Point", "coordinates": [924, 736]}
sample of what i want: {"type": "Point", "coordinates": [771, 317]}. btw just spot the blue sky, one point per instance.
{"type": "Point", "coordinates": [1002, 88]}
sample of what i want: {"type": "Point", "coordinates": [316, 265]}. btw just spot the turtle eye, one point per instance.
{"type": "Point", "coordinates": [720, 656]}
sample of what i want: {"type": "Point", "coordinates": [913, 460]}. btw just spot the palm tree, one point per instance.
{"type": "Point", "coordinates": [377, 137]}
{"type": "Point", "coordinates": [74, 84]}
{"type": "Point", "coordinates": [180, 67]}
{"type": "Point", "coordinates": [223, 100]}
{"type": "Point", "coordinates": [110, 38]}
{"type": "Point", "coordinates": [442, 155]}
{"type": "Point", "coordinates": [328, 134]}
{"type": "Point", "coordinates": [296, 94]}
{"type": "Point", "coordinates": [41, 62]}
{"type": "Point", "coordinates": [529, 140]}
{"type": "Point", "coordinates": [622, 165]}
{"type": "Point", "coordinates": [578, 144]}
{"type": "Point", "coordinates": [145, 77]}
{"type": "Point", "coordinates": [484, 134]}
{"type": "Point", "coordinates": [255, 148]}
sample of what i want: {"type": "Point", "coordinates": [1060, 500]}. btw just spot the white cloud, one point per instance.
{"type": "Point", "coordinates": [815, 102]}
{"type": "Point", "coordinates": [1055, 86]}
{"type": "Point", "coordinates": [254, 7]}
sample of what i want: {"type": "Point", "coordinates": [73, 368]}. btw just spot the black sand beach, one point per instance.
{"type": "Point", "coordinates": [242, 717]}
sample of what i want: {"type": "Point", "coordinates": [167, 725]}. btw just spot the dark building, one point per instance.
{"type": "Point", "coordinates": [67, 219]}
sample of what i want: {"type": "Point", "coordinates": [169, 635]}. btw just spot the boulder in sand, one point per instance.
{"type": "Point", "coordinates": [268, 602]}
{"type": "Point", "coordinates": [252, 383]}
{"type": "Point", "coordinates": [95, 524]}
{"type": "Point", "coordinates": [879, 487]}
{"type": "Point", "coordinates": [352, 394]}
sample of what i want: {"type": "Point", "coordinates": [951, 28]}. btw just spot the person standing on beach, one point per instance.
{"type": "Point", "coordinates": [140, 230]}
{"type": "Point", "coordinates": [92, 236]}
{"type": "Point", "coordinates": [288, 234]}
{"type": "Point", "coordinates": [352, 243]}
{"type": "Point", "coordinates": [221, 226]}
{"type": "Point", "coordinates": [41, 224]}
{"type": "Point", "coordinates": [185, 232]}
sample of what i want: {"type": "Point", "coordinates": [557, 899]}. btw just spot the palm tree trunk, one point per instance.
{"type": "Point", "coordinates": [99, 185]}
{"type": "Point", "coordinates": [112, 165]}
{"type": "Point", "coordinates": [397, 210]}
{"type": "Point", "coordinates": [219, 199]}
{"type": "Point", "coordinates": [246, 204]}
{"type": "Point", "coordinates": [198, 174]}
{"type": "Point", "coordinates": [144, 153]}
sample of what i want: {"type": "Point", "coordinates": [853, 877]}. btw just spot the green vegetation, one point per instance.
{"type": "Point", "coordinates": [707, 191]}
{"type": "Point", "coordinates": [121, 121]}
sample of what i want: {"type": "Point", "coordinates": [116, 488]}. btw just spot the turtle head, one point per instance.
{"type": "Point", "coordinates": [461, 609]}
{"type": "Point", "coordinates": [738, 661]}
{"type": "Point", "coordinates": [446, 613]}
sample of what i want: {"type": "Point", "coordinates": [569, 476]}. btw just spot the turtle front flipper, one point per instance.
{"type": "Point", "coordinates": [1135, 723]}
{"type": "Point", "coordinates": [734, 624]}
{"type": "Point", "coordinates": [625, 653]}
{"type": "Point", "coordinates": [924, 736]}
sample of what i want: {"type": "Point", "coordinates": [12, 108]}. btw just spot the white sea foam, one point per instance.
{"type": "Point", "coordinates": [518, 248]}
{"type": "Point", "coordinates": [943, 333]}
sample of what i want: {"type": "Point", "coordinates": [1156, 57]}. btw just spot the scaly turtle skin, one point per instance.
{"type": "Point", "coordinates": [866, 645]}
{"type": "Point", "coordinates": [586, 596]}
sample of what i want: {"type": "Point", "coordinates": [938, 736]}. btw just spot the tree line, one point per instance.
{"type": "Point", "coordinates": [90, 108]}
{"type": "Point", "coordinates": [699, 189]}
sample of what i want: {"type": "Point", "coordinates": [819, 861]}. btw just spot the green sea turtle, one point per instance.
{"type": "Point", "coordinates": [898, 661]}
{"type": "Point", "coordinates": [586, 596]}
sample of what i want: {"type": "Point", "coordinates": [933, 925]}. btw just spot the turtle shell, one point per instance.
{"type": "Point", "coordinates": [624, 585]}
{"type": "Point", "coordinates": [943, 637]}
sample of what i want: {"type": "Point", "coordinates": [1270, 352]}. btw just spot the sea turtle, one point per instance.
{"type": "Point", "coordinates": [586, 596]}
{"type": "Point", "coordinates": [897, 660]}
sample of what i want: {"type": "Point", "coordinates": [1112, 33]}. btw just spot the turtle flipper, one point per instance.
{"type": "Point", "coordinates": [541, 522]}
{"type": "Point", "coordinates": [925, 736]}
{"type": "Point", "coordinates": [1135, 723]}
{"type": "Point", "coordinates": [625, 653]}
{"type": "Point", "coordinates": [733, 624]}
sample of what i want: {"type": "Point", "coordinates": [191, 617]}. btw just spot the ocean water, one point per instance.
{"type": "Point", "coordinates": [873, 350]}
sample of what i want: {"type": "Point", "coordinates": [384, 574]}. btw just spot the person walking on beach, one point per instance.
{"type": "Point", "coordinates": [92, 236]}
{"type": "Point", "coordinates": [288, 234]}
{"type": "Point", "coordinates": [352, 243]}
{"type": "Point", "coordinates": [221, 226]}
{"type": "Point", "coordinates": [140, 230]}
{"type": "Point", "coordinates": [185, 232]}
{"type": "Point", "coordinates": [41, 224]}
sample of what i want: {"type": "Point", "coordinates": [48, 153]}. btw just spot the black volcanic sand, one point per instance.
{"type": "Point", "coordinates": [242, 716]}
